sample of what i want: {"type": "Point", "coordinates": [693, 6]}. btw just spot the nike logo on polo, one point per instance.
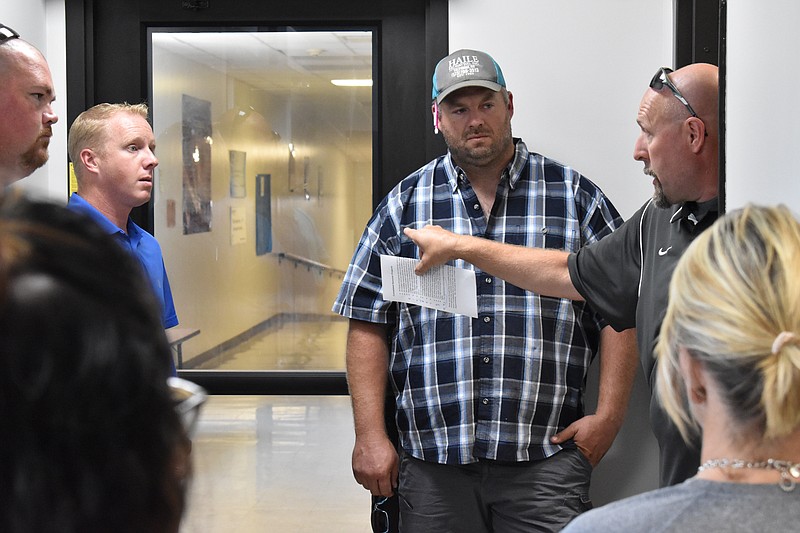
{"type": "Point", "coordinates": [662, 251]}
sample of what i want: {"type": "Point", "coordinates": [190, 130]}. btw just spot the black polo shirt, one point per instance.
{"type": "Point", "coordinates": [625, 277]}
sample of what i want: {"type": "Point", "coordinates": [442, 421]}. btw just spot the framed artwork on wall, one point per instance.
{"type": "Point", "coordinates": [196, 129]}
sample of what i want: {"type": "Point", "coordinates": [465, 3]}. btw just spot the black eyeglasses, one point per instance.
{"type": "Point", "coordinates": [661, 80]}
{"type": "Point", "coordinates": [6, 33]}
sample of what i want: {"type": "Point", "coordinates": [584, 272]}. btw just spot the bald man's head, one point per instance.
{"type": "Point", "coordinates": [679, 139]}
{"type": "Point", "coordinates": [26, 97]}
{"type": "Point", "coordinates": [699, 84]}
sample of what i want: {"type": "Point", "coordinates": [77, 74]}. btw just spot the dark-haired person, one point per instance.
{"type": "Point", "coordinates": [91, 435]}
{"type": "Point", "coordinates": [26, 107]}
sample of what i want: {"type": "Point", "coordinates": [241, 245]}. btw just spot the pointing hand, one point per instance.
{"type": "Point", "coordinates": [436, 246]}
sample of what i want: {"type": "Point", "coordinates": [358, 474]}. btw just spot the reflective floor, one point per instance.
{"type": "Point", "coordinates": [300, 345]}
{"type": "Point", "coordinates": [275, 464]}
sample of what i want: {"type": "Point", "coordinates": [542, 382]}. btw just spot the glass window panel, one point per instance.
{"type": "Point", "coordinates": [263, 188]}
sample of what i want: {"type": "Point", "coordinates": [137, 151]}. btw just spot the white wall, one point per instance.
{"type": "Point", "coordinates": [578, 69]}
{"type": "Point", "coordinates": [763, 118]}
{"type": "Point", "coordinates": [27, 16]}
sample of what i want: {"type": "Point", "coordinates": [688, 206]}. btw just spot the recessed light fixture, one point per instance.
{"type": "Point", "coordinates": [353, 83]}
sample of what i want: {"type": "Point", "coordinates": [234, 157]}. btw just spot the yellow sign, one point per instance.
{"type": "Point", "coordinates": [73, 181]}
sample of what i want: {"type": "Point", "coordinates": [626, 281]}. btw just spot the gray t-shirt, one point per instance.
{"type": "Point", "coordinates": [697, 505]}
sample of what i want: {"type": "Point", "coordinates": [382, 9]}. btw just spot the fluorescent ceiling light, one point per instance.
{"type": "Point", "coordinates": [353, 83]}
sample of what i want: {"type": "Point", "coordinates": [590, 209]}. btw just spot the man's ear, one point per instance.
{"type": "Point", "coordinates": [697, 133]}
{"type": "Point", "coordinates": [510, 105]}
{"type": "Point", "coordinates": [89, 159]}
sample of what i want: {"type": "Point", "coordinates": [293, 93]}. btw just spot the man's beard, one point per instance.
{"type": "Point", "coordinates": [36, 156]}
{"type": "Point", "coordinates": [659, 198]}
{"type": "Point", "coordinates": [479, 156]}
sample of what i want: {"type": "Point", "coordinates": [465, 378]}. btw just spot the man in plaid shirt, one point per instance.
{"type": "Point", "coordinates": [492, 431]}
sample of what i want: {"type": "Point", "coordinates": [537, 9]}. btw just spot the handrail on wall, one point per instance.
{"type": "Point", "coordinates": [309, 264]}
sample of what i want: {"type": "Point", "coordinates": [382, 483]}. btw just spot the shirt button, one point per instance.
{"type": "Point", "coordinates": [488, 280]}
{"type": "Point", "coordinates": [486, 319]}
{"type": "Point", "coordinates": [485, 401]}
{"type": "Point", "coordinates": [544, 229]}
{"type": "Point", "coordinates": [476, 207]}
{"type": "Point", "coordinates": [486, 359]}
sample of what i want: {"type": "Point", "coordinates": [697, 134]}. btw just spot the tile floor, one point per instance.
{"type": "Point", "coordinates": [275, 464]}
{"type": "Point", "coordinates": [278, 464]}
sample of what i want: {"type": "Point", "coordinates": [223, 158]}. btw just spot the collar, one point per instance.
{"type": "Point", "coordinates": [79, 204]}
{"type": "Point", "coordinates": [694, 213]}
{"type": "Point", "coordinates": [456, 174]}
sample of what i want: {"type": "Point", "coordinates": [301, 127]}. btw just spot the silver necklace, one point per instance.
{"type": "Point", "coordinates": [790, 472]}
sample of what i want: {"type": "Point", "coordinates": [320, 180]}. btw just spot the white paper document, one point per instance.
{"type": "Point", "coordinates": [445, 288]}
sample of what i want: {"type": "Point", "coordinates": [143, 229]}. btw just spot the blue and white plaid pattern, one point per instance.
{"type": "Point", "coordinates": [499, 386]}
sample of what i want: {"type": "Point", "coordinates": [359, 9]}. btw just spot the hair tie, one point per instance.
{"type": "Point", "coordinates": [782, 339]}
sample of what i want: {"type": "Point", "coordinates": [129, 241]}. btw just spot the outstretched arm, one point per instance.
{"type": "Point", "coordinates": [375, 459]}
{"type": "Point", "coordinates": [535, 269]}
{"type": "Point", "coordinates": [594, 434]}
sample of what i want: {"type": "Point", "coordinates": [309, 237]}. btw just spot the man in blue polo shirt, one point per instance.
{"type": "Point", "coordinates": [112, 149]}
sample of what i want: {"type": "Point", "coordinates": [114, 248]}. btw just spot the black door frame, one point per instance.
{"type": "Point", "coordinates": [700, 37]}
{"type": "Point", "coordinates": [107, 61]}
{"type": "Point", "coordinates": [697, 32]}
{"type": "Point", "coordinates": [107, 43]}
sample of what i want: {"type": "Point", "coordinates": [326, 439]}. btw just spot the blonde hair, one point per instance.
{"type": "Point", "coordinates": [89, 129]}
{"type": "Point", "coordinates": [734, 305]}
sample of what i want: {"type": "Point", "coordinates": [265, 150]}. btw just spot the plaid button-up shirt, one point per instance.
{"type": "Point", "coordinates": [498, 386]}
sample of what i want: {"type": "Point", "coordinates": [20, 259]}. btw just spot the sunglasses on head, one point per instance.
{"type": "Point", "coordinates": [6, 33]}
{"type": "Point", "coordinates": [661, 79]}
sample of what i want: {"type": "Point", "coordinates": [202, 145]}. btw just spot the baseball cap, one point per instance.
{"type": "Point", "coordinates": [466, 68]}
